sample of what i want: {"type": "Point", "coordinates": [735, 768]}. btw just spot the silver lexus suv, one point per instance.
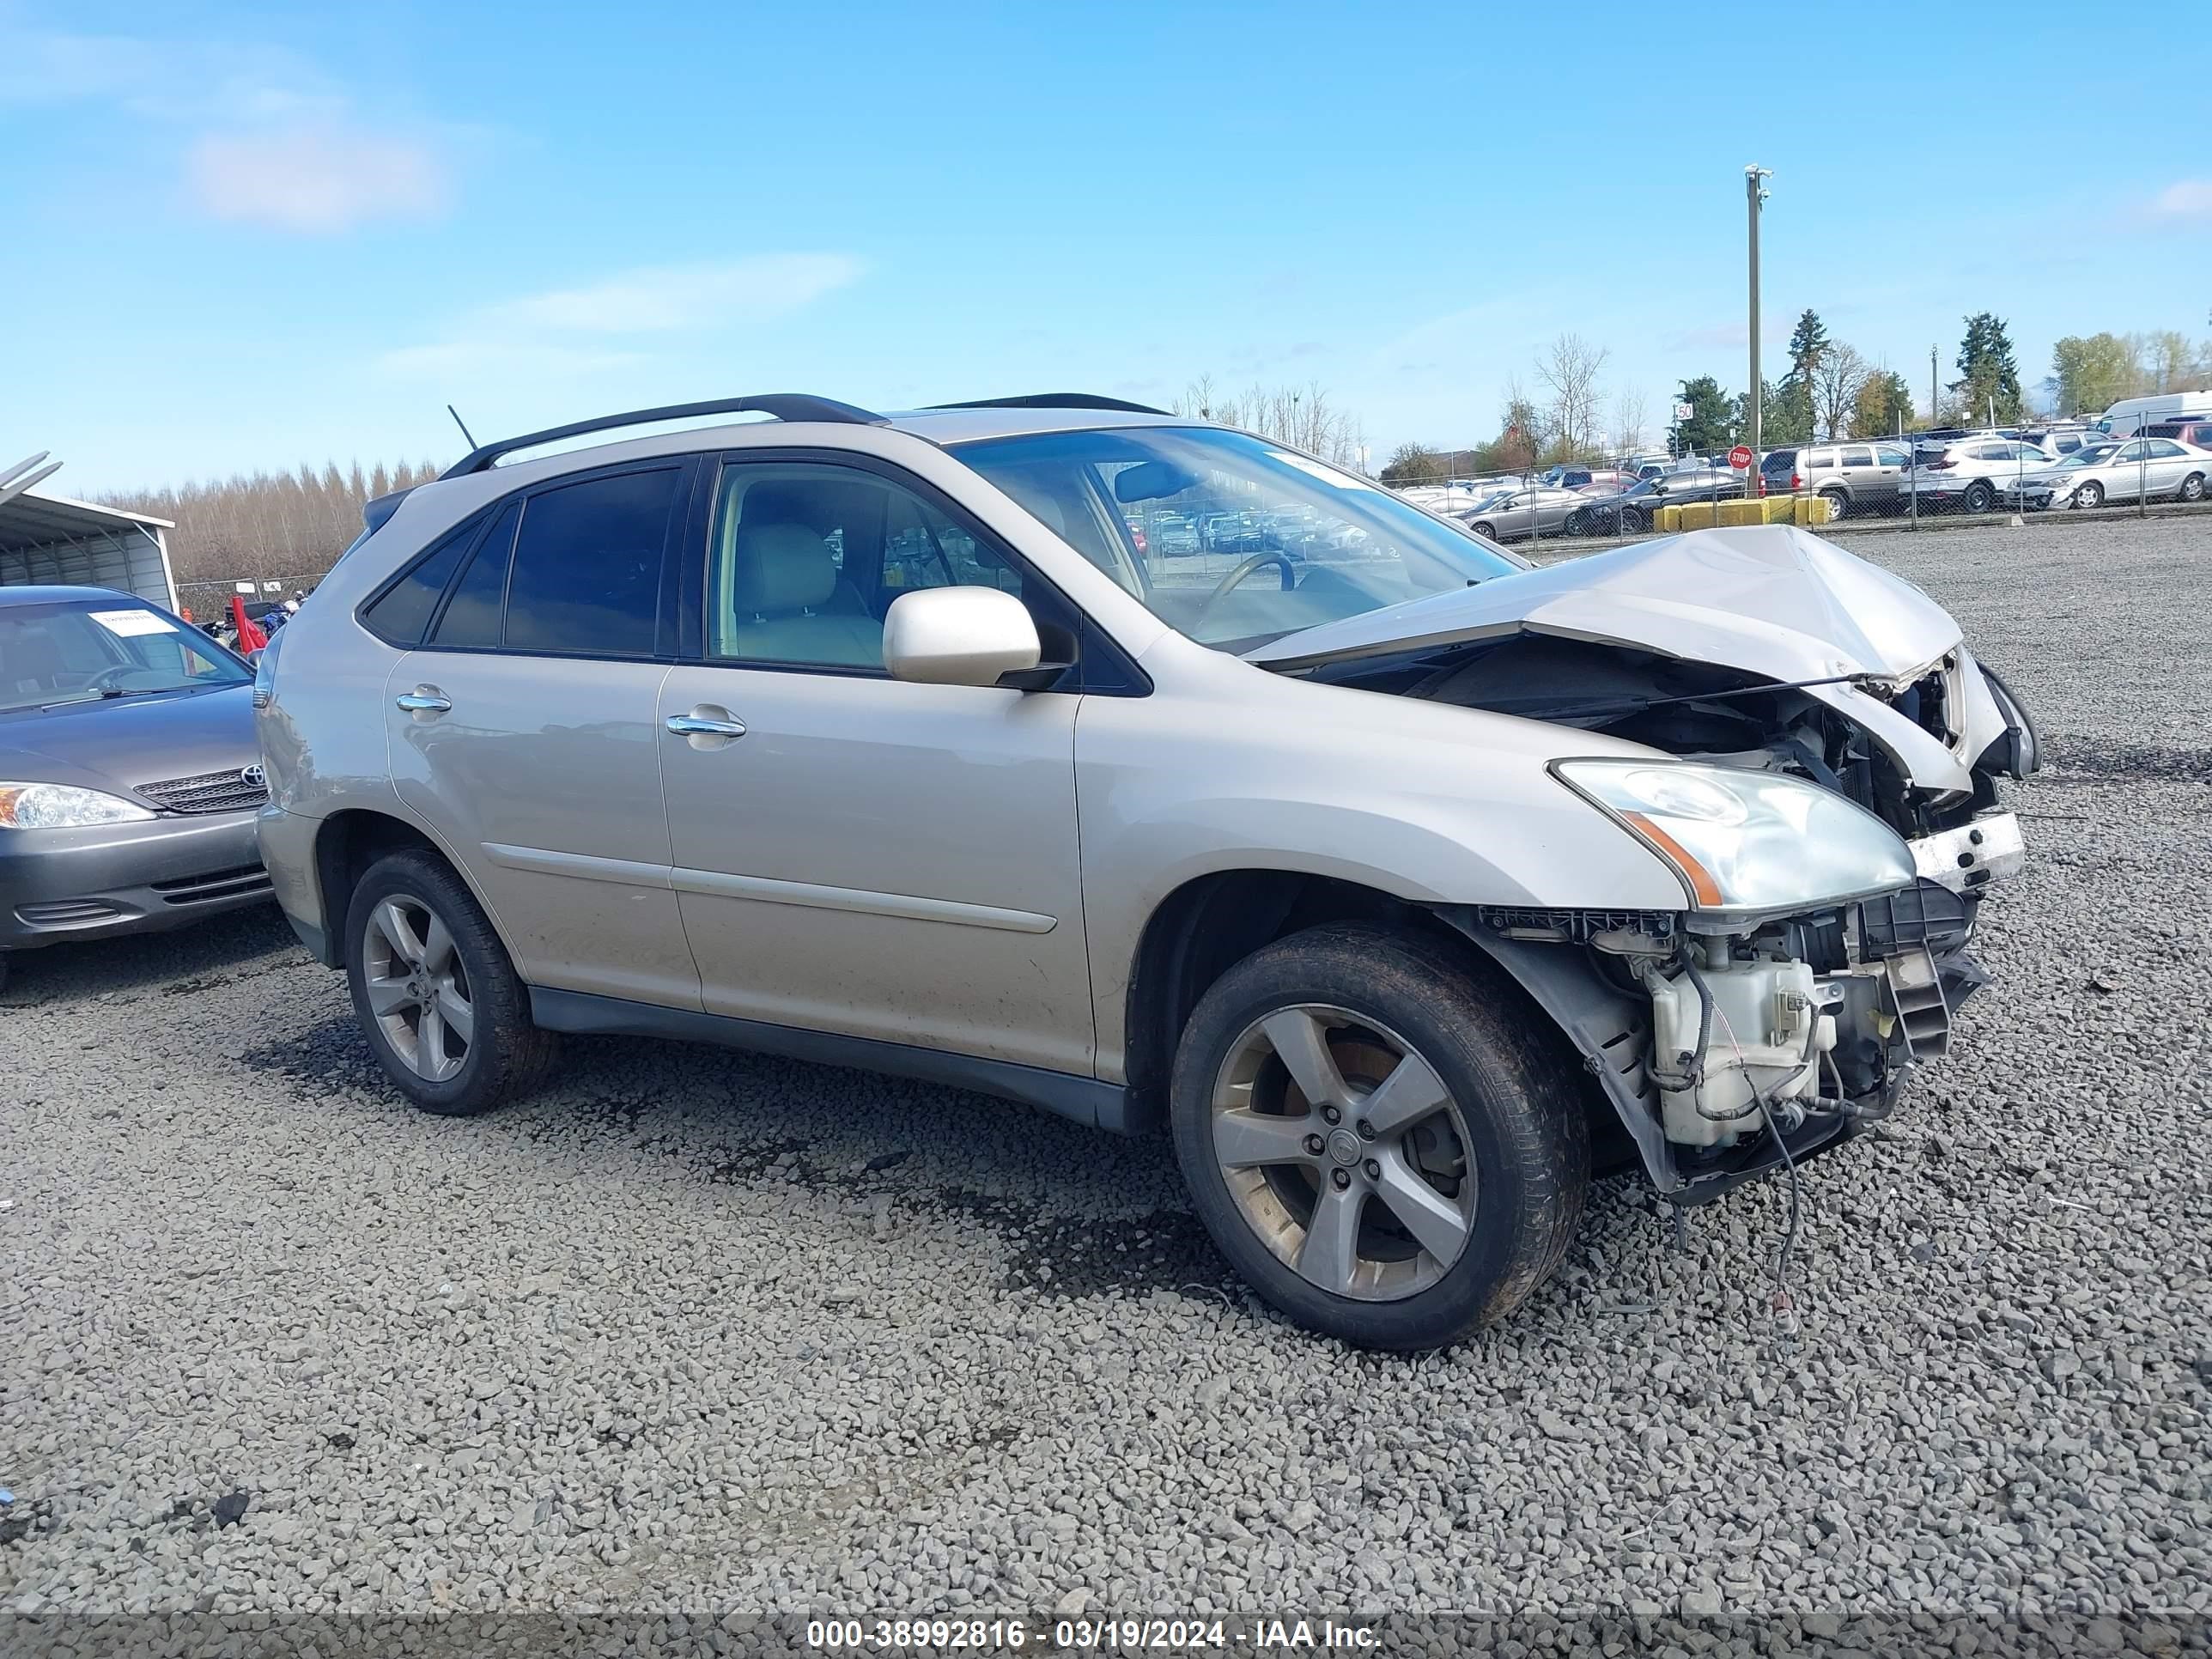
{"type": "Point", "coordinates": [1402, 884]}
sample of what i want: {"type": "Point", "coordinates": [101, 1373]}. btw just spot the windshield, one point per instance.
{"type": "Point", "coordinates": [2092, 455]}
{"type": "Point", "coordinates": [1283, 543]}
{"type": "Point", "coordinates": [81, 650]}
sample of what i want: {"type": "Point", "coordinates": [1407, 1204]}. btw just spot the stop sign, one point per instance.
{"type": "Point", "coordinates": [1740, 457]}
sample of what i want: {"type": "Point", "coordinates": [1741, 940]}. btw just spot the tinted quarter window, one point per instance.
{"type": "Point", "coordinates": [397, 617]}
{"type": "Point", "coordinates": [586, 568]}
{"type": "Point", "coordinates": [472, 615]}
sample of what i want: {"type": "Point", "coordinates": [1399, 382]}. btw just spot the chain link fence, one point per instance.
{"type": "Point", "coordinates": [210, 601]}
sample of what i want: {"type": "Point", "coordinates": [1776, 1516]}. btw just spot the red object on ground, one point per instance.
{"type": "Point", "coordinates": [250, 636]}
{"type": "Point", "coordinates": [1740, 457]}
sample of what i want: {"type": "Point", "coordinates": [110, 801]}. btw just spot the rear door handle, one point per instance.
{"type": "Point", "coordinates": [424, 700]}
{"type": "Point", "coordinates": [707, 726]}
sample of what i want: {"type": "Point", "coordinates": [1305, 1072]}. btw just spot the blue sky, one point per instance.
{"type": "Point", "coordinates": [250, 235]}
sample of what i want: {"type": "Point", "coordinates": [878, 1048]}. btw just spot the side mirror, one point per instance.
{"type": "Point", "coordinates": [958, 636]}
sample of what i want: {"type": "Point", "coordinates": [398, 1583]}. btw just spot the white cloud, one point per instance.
{"type": "Point", "coordinates": [2187, 199]}
{"type": "Point", "coordinates": [315, 179]}
{"type": "Point", "coordinates": [271, 138]}
{"type": "Point", "coordinates": [560, 332]}
{"type": "Point", "coordinates": [522, 360]}
{"type": "Point", "coordinates": [654, 298]}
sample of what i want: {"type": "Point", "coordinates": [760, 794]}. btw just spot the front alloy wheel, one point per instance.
{"type": "Point", "coordinates": [2091, 494]}
{"type": "Point", "coordinates": [1344, 1151]}
{"type": "Point", "coordinates": [1381, 1133]}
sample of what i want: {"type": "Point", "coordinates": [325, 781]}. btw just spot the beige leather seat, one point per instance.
{"type": "Point", "coordinates": [785, 603]}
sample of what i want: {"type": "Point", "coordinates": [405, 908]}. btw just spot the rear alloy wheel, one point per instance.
{"type": "Point", "coordinates": [2192, 488]}
{"type": "Point", "coordinates": [1979, 497]}
{"type": "Point", "coordinates": [440, 1003]}
{"type": "Point", "coordinates": [1839, 504]}
{"type": "Point", "coordinates": [2091, 494]}
{"type": "Point", "coordinates": [1380, 1142]}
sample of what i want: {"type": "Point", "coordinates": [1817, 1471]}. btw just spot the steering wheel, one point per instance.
{"type": "Point", "coordinates": [1245, 567]}
{"type": "Point", "coordinates": [107, 679]}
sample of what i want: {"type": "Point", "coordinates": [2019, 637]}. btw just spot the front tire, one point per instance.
{"type": "Point", "coordinates": [443, 1009]}
{"type": "Point", "coordinates": [1453, 1153]}
{"type": "Point", "coordinates": [2091, 494]}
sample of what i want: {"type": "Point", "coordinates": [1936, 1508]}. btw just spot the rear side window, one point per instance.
{"type": "Point", "coordinates": [472, 615]}
{"type": "Point", "coordinates": [586, 568]}
{"type": "Point", "coordinates": [397, 616]}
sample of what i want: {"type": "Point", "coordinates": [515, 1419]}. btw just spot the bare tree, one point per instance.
{"type": "Point", "coordinates": [1569, 368]}
{"type": "Point", "coordinates": [1838, 374]}
{"type": "Point", "coordinates": [1628, 421]}
{"type": "Point", "coordinates": [1305, 418]}
{"type": "Point", "coordinates": [265, 525]}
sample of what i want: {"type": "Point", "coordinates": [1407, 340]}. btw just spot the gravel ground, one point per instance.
{"type": "Point", "coordinates": [699, 1331]}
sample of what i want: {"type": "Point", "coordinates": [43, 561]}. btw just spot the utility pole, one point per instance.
{"type": "Point", "coordinates": [1932, 418]}
{"type": "Point", "coordinates": [1754, 190]}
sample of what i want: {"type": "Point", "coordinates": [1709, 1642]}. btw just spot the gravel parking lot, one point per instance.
{"type": "Point", "coordinates": [699, 1331]}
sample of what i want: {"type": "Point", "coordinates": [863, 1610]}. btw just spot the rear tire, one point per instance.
{"type": "Point", "coordinates": [1479, 1135]}
{"type": "Point", "coordinates": [1839, 504]}
{"type": "Point", "coordinates": [437, 997]}
{"type": "Point", "coordinates": [1979, 498]}
{"type": "Point", "coordinates": [1488, 532]}
{"type": "Point", "coordinates": [2192, 488]}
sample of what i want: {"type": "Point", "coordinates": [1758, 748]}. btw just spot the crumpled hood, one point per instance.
{"type": "Point", "coordinates": [1771, 599]}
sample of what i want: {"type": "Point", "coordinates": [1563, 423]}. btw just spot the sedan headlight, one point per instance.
{"type": "Point", "coordinates": [1745, 841]}
{"type": "Point", "coordinates": [62, 806]}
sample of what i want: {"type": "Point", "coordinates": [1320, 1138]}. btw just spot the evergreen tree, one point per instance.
{"type": "Point", "coordinates": [1988, 379]}
{"type": "Point", "coordinates": [1711, 425]}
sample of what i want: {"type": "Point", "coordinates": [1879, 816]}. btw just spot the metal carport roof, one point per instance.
{"type": "Point", "coordinates": [52, 539]}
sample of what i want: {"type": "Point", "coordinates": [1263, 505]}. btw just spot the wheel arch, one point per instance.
{"type": "Point", "coordinates": [348, 842]}
{"type": "Point", "coordinates": [1201, 929]}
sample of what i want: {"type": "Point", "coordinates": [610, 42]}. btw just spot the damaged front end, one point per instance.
{"type": "Point", "coordinates": [1724, 1048]}
{"type": "Point", "coordinates": [1733, 1038]}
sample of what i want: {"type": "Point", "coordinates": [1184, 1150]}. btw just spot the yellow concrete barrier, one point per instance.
{"type": "Point", "coordinates": [1697, 515]}
{"type": "Point", "coordinates": [1812, 510]}
{"type": "Point", "coordinates": [1741, 511]}
{"type": "Point", "coordinates": [1667, 520]}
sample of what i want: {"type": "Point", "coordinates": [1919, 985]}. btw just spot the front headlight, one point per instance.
{"type": "Point", "coordinates": [1745, 841]}
{"type": "Point", "coordinates": [62, 806]}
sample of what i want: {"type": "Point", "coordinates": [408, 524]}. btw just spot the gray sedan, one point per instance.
{"type": "Point", "coordinates": [2153, 469]}
{"type": "Point", "coordinates": [130, 773]}
{"type": "Point", "coordinates": [1512, 514]}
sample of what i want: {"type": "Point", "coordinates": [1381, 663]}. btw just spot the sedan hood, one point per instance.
{"type": "Point", "coordinates": [1770, 599]}
{"type": "Point", "coordinates": [118, 743]}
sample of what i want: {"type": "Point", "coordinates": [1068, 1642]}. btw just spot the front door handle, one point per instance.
{"type": "Point", "coordinates": [424, 700]}
{"type": "Point", "coordinates": [707, 726]}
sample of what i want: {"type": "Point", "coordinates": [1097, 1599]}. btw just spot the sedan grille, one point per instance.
{"type": "Point", "coordinates": [210, 792]}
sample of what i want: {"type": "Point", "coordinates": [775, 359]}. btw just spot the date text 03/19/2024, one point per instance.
{"type": "Point", "coordinates": [1089, 1635]}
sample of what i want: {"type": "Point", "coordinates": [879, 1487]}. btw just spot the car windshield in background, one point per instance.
{"type": "Point", "coordinates": [2094, 455]}
{"type": "Point", "coordinates": [1285, 543]}
{"type": "Point", "coordinates": [81, 650]}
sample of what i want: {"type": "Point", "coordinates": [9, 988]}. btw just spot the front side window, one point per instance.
{"type": "Point", "coordinates": [83, 650]}
{"type": "Point", "coordinates": [807, 559]}
{"type": "Point", "coordinates": [585, 575]}
{"type": "Point", "coordinates": [1303, 543]}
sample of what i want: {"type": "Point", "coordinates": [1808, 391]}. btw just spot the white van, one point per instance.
{"type": "Point", "coordinates": [2130, 415]}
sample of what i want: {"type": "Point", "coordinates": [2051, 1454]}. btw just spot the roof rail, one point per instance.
{"type": "Point", "coordinates": [1059, 400]}
{"type": "Point", "coordinates": [784, 405]}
